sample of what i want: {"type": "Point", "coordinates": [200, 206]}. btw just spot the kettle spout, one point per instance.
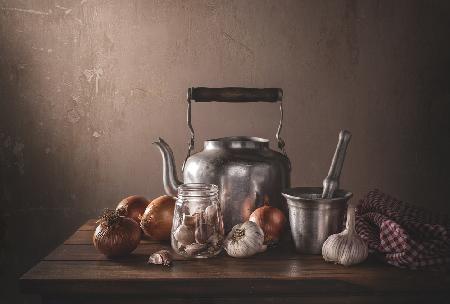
{"type": "Point", "coordinates": [170, 179]}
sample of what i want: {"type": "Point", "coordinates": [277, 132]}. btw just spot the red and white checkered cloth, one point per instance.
{"type": "Point", "coordinates": [404, 235]}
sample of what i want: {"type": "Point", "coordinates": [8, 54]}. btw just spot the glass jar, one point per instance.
{"type": "Point", "coordinates": [197, 228]}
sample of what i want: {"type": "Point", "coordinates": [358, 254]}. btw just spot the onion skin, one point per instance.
{"type": "Point", "coordinates": [118, 239]}
{"type": "Point", "coordinates": [271, 220]}
{"type": "Point", "coordinates": [133, 207]}
{"type": "Point", "coordinates": [157, 219]}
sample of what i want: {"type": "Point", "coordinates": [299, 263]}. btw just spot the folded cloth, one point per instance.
{"type": "Point", "coordinates": [402, 234]}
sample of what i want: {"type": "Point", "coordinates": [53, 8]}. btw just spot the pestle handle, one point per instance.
{"type": "Point", "coordinates": [331, 182]}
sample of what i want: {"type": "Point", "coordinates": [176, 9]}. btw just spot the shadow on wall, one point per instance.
{"type": "Point", "coordinates": [58, 109]}
{"type": "Point", "coordinates": [37, 206]}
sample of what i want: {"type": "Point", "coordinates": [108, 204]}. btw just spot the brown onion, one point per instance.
{"type": "Point", "coordinates": [157, 219]}
{"type": "Point", "coordinates": [271, 220]}
{"type": "Point", "coordinates": [133, 207]}
{"type": "Point", "coordinates": [116, 235]}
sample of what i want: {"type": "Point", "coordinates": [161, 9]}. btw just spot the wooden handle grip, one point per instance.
{"type": "Point", "coordinates": [202, 94]}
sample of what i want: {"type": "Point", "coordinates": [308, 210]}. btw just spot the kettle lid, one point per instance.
{"type": "Point", "coordinates": [237, 142]}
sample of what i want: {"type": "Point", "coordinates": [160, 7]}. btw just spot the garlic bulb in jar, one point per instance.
{"type": "Point", "coordinates": [245, 240]}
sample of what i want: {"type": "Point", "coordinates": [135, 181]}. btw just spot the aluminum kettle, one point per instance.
{"type": "Point", "coordinates": [248, 173]}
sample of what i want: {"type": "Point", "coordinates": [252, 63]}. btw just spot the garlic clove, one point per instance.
{"type": "Point", "coordinates": [211, 214]}
{"type": "Point", "coordinates": [184, 235]}
{"type": "Point", "coordinates": [180, 246]}
{"type": "Point", "coordinates": [215, 240]}
{"type": "Point", "coordinates": [161, 257]}
{"type": "Point", "coordinates": [189, 220]}
{"type": "Point", "coordinates": [194, 248]}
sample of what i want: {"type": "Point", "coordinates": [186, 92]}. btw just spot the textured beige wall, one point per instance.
{"type": "Point", "coordinates": [86, 86]}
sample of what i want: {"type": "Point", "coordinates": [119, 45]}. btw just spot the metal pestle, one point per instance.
{"type": "Point", "coordinates": [331, 182]}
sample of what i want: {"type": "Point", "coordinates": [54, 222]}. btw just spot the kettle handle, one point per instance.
{"type": "Point", "coordinates": [233, 94]}
{"type": "Point", "coordinates": [202, 94]}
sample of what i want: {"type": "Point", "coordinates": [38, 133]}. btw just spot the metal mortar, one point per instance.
{"type": "Point", "coordinates": [313, 218]}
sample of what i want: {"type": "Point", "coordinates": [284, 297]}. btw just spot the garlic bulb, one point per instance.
{"type": "Point", "coordinates": [346, 248]}
{"type": "Point", "coordinates": [245, 240]}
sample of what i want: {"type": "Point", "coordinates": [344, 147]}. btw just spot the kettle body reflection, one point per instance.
{"type": "Point", "coordinates": [245, 169]}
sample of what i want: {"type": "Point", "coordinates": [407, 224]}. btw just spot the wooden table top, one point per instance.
{"type": "Point", "coordinates": [76, 267]}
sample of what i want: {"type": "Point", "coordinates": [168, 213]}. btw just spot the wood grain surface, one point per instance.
{"type": "Point", "coordinates": [75, 269]}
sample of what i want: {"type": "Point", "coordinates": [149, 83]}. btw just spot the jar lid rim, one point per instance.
{"type": "Point", "coordinates": [197, 190]}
